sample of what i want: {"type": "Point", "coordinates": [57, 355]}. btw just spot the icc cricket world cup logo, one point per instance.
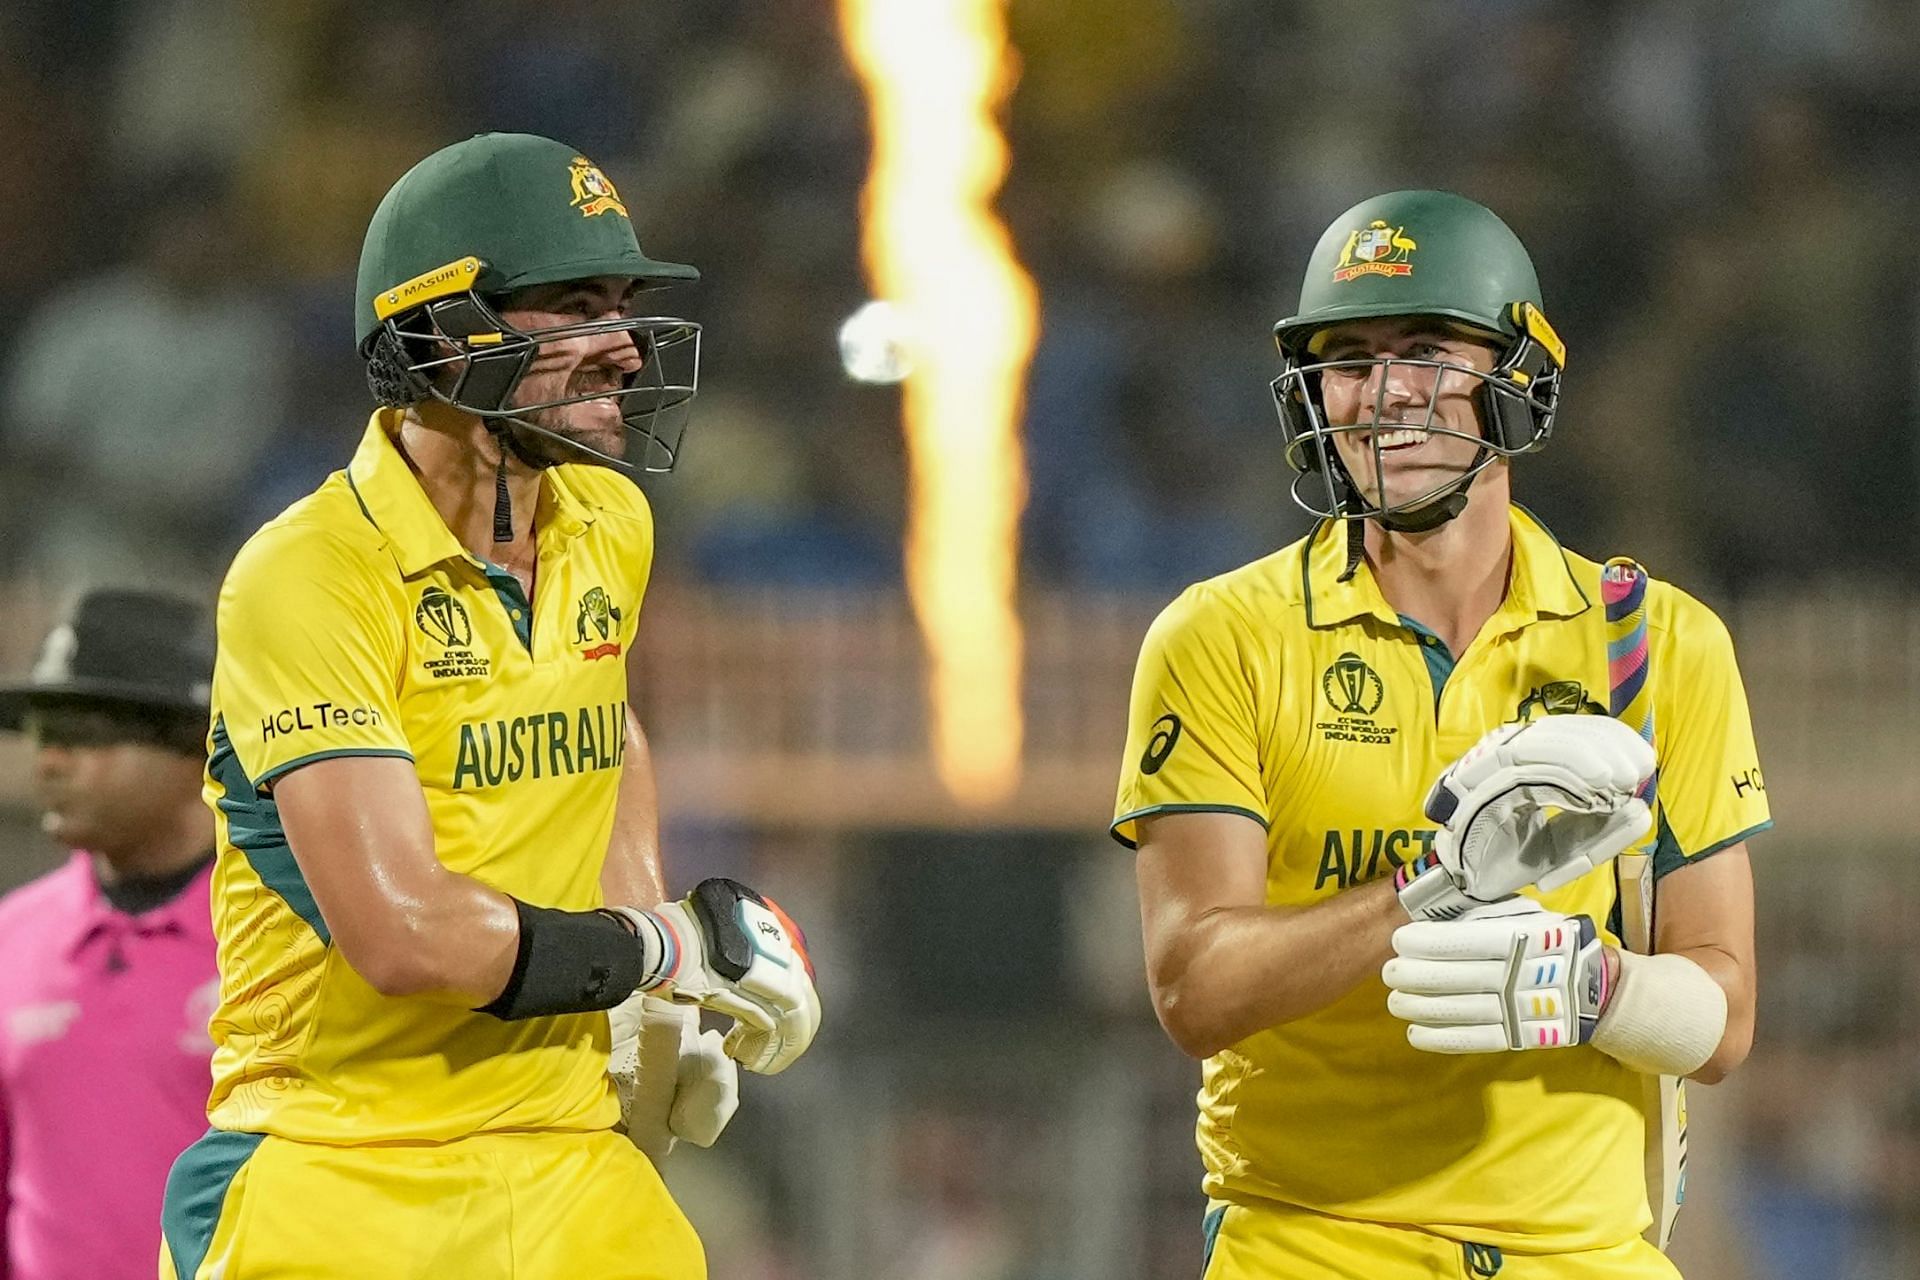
{"type": "Point", "coordinates": [1352, 687]}
{"type": "Point", "coordinates": [444, 619]}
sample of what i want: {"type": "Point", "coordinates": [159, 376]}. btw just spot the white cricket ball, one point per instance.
{"type": "Point", "coordinates": [876, 343]}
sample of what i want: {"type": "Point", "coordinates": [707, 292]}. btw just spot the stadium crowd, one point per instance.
{"type": "Point", "coordinates": [1715, 193]}
{"type": "Point", "coordinates": [1717, 212]}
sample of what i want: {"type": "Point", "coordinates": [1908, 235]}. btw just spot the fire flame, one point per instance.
{"type": "Point", "coordinates": [935, 71]}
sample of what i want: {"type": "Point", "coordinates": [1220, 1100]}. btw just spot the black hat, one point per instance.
{"type": "Point", "coordinates": [121, 645]}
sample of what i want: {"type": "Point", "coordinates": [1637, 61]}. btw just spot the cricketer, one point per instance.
{"type": "Point", "coordinates": [1378, 782]}
{"type": "Point", "coordinates": [437, 863]}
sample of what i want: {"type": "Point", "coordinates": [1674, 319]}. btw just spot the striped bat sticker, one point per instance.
{"type": "Point", "coordinates": [1623, 590]}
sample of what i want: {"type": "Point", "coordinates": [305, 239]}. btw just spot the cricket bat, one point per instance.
{"type": "Point", "coordinates": [1623, 589]}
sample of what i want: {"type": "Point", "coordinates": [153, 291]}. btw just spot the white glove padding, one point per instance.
{"type": "Point", "coordinates": [1509, 976]}
{"type": "Point", "coordinates": [726, 948]}
{"type": "Point", "coordinates": [1539, 803]}
{"type": "Point", "coordinates": [673, 1079]}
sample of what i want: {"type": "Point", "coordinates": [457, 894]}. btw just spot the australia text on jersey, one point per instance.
{"type": "Point", "coordinates": [540, 744]}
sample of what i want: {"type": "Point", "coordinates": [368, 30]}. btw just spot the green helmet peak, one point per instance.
{"type": "Point", "coordinates": [525, 209]}
{"type": "Point", "coordinates": [1414, 253]}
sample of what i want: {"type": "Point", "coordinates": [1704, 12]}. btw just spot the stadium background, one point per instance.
{"type": "Point", "coordinates": [1717, 197]}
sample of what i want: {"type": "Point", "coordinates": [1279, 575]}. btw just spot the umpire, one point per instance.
{"type": "Point", "coordinates": [107, 974]}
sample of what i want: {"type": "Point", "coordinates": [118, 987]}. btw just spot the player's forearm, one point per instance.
{"type": "Point", "coordinates": [360, 831]}
{"type": "Point", "coordinates": [1737, 1040]}
{"type": "Point", "coordinates": [1235, 971]}
{"type": "Point", "coordinates": [454, 940]}
{"type": "Point", "coordinates": [1706, 918]}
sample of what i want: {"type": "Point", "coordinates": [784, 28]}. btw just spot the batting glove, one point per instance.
{"type": "Point", "coordinates": [1506, 977]}
{"type": "Point", "coordinates": [726, 948]}
{"type": "Point", "coordinates": [674, 1081]}
{"type": "Point", "coordinates": [1540, 803]}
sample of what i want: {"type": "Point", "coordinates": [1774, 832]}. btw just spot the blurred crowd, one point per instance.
{"type": "Point", "coordinates": [1713, 193]}
{"type": "Point", "coordinates": [1827, 1110]}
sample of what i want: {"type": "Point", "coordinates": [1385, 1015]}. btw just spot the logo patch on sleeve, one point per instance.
{"type": "Point", "coordinates": [1166, 735]}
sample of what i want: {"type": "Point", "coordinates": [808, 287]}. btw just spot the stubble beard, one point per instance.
{"type": "Point", "coordinates": [607, 439]}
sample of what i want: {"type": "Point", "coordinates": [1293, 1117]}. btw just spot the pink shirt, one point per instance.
{"type": "Point", "coordinates": [104, 1071]}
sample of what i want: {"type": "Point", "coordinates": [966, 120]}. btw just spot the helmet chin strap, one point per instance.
{"type": "Point", "coordinates": [502, 499]}
{"type": "Point", "coordinates": [502, 504]}
{"type": "Point", "coordinates": [1429, 517]}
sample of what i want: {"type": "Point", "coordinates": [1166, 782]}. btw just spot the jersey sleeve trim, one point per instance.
{"type": "Point", "coordinates": [255, 831]}
{"type": "Point", "coordinates": [1155, 810]}
{"type": "Point", "coordinates": [1667, 857]}
{"type": "Point", "coordinates": [282, 769]}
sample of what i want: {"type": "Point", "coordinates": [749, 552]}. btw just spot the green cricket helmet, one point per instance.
{"type": "Point", "coordinates": [1417, 254]}
{"type": "Point", "coordinates": [478, 219]}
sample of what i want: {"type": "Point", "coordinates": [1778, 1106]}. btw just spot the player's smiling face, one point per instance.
{"type": "Point", "coordinates": [577, 366]}
{"type": "Point", "coordinates": [1393, 405]}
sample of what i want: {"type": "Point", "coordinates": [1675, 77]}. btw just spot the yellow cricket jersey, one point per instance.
{"type": "Point", "coordinates": [1311, 707]}
{"type": "Point", "coordinates": [356, 624]}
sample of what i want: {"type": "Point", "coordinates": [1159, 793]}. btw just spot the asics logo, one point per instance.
{"type": "Point", "coordinates": [1166, 735]}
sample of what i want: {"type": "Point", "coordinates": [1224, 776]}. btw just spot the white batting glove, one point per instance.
{"type": "Point", "coordinates": [1540, 803]}
{"type": "Point", "coordinates": [1507, 977]}
{"type": "Point", "coordinates": [726, 948]}
{"type": "Point", "coordinates": [673, 1080]}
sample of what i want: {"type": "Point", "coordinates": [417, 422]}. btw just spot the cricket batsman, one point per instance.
{"type": "Point", "coordinates": [1378, 782]}
{"type": "Point", "coordinates": [437, 862]}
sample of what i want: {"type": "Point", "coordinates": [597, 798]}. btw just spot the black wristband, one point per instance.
{"type": "Point", "coordinates": [568, 962]}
